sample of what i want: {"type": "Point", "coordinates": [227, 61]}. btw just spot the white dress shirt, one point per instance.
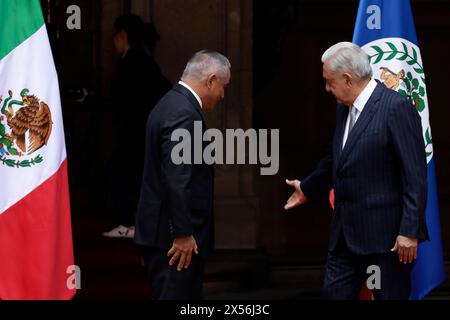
{"type": "Point", "coordinates": [359, 104]}
{"type": "Point", "coordinates": [193, 92]}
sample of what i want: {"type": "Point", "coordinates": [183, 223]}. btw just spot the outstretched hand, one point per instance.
{"type": "Point", "coordinates": [182, 249]}
{"type": "Point", "coordinates": [297, 198]}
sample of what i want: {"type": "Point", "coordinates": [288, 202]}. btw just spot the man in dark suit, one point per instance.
{"type": "Point", "coordinates": [377, 167]}
{"type": "Point", "coordinates": [175, 221]}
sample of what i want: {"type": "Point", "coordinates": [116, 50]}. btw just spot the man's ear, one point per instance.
{"type": "Point", "coordinates": [348, 79]}
{"type": "Point", "coordinates": [209, 81]}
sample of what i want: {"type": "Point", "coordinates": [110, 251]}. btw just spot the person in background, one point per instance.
{"type": "Point", "coordinates": [137, 86]}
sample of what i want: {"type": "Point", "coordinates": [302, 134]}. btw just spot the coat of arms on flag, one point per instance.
{"type": "Point", "coordinates": [397, 63]}
{"type": "Point", "coordinates": [25, 127]}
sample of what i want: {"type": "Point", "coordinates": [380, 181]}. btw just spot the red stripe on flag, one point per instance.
{"type": "Point", "coordinates": [36, 243]}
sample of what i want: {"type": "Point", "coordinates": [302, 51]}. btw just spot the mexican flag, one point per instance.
{"type": "Point", "coordinates": [36, 252]}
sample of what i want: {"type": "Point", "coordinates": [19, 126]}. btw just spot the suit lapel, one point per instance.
{"type": "Point", "coordinates": [363, 120]}
{"type": "Point", "coordinates": [185, 92]}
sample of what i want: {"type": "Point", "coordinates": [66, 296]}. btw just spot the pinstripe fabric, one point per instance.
{"type": "Point", "coordinates": [379, 177]}
{"type": "Point", "coordinates": [346, 273]}
{"type": "Point", "coordinates": [380, 187]}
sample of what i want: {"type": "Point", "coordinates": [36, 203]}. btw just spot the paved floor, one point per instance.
{"type": "Point", "coordinates": [112, 269]}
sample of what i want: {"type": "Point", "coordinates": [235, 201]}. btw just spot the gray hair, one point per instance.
{"type": "Point", "coordinates": [204, 63]}
{"type": "Point", "coordinates": [348, 57]}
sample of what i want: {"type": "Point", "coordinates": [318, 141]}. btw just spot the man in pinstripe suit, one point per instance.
{"type": "Point", "coordinates": [377, 167]}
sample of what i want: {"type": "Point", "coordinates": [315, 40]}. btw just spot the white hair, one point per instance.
{"type": "Point", "coordinates": [204, 63]}
{"type": "Point", "coordinates": [348, 57]}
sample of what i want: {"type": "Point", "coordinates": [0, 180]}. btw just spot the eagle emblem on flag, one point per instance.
{"type": "Point", "coordinates": [397, 63]}
{"type": "Point", "coordinates": [25, 127]}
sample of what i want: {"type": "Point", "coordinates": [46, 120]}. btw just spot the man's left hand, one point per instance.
{"type": "Point", "coordinates": [182, 249]}
{"type": "Point", "coordinates": [407, 249]}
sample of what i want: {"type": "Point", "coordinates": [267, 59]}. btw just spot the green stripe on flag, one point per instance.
{"type": "Point", "coordinates": [19, 19]}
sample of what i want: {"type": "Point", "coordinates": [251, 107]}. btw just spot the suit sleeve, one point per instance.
{"type": "Point", "coordinates": [406, 132]}
{"type": "Point", "coordinates": [319, 182]}
{"type": "Point", "coordinates": [176, 178]}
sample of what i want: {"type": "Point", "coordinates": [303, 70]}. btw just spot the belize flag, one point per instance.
{"type": "Point", "coordinates": [36, 253]}
{"type": "Point", "coordinates": [385, 30]}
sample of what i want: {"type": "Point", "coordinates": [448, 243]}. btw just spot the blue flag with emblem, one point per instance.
{"type": "Point", "coordinates": [385, 31]}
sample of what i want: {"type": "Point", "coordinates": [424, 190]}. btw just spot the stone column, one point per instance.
{"type": "Point", "coordinates": [237, 207]}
